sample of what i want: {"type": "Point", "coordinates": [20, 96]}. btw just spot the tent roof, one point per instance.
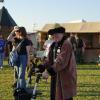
{"type": "Point", "coordinates": [5, 18]}
{"type": "Point", "coordinates": [82, 27]}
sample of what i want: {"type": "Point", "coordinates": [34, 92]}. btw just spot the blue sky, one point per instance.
{"type": "Point", "coordinates": [36, 13]}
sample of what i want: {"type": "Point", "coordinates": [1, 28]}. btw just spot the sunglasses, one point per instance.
{"type": "Point", "coordinates": [17, 31]}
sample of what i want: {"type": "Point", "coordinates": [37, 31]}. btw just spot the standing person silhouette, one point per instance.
{"type": "Point", "coordinates": [61, 65]}
{"type": "Point", "coordinates": [19, 34]}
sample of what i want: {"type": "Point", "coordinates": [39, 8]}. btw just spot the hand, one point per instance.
{"type": "Point", "coordinates": [13, 32]}
{"type": "Point", "coordinates": [16, 28]}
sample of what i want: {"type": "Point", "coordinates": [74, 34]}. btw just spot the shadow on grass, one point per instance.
{"type": "Point", "coordinates": [88, 68]}
{"type": "Point", "coordinates": [88, 74]}
{"type": "Point", "coordinates": [88, 85]}
{"type": "Point", "coordinates": [88, 92]}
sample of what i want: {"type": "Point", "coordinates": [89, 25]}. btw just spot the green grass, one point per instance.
{"type": "Point", "coordinates": [88, 81]}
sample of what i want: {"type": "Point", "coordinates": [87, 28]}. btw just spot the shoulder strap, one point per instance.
{"type": "Point", "coordinates": [19, 45]}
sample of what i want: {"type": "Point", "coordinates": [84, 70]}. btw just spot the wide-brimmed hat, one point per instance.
{"type": "Point", "coordinates": [56, 30]}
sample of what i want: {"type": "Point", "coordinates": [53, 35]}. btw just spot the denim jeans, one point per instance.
{"type": "Point", "coordinates": [1, 59]}
{"type": "Point", "coordinates": [20, 71]}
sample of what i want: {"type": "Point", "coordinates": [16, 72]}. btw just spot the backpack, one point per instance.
{"type": "Point", "coordinates": [13, 57]}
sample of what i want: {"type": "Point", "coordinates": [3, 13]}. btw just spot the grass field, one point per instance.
{"type": "Point", "coordinates": [88, 84]}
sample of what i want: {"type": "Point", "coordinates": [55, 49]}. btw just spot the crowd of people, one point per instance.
{"type": "Point", "coordinates": [60, 57]}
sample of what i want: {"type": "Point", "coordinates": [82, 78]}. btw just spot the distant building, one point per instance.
{"type": "Point", "coordinates": [88, 31]}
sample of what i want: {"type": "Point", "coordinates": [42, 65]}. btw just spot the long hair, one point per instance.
{"type": "Point", "coordinates": [23, 32]}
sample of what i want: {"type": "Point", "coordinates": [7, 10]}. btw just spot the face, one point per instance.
{"type": "Point", "coordinates": [57, 37]}
{"type": "Point", "coordinates": [17, 33]}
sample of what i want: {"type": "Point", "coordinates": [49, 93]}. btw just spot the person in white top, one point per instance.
{"type": "Point", "coordinates": [47, 45]}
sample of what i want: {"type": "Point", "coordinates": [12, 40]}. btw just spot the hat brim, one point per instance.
{"type": "Point", "coordinates": [56, 31]}
{"type": "Point", "coordinates": [51, 32]}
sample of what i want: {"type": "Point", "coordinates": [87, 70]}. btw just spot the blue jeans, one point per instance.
{"type": "Point", "coordinates": [1, 59]}
{"type": "Point", "coordinates": [20, 71]}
